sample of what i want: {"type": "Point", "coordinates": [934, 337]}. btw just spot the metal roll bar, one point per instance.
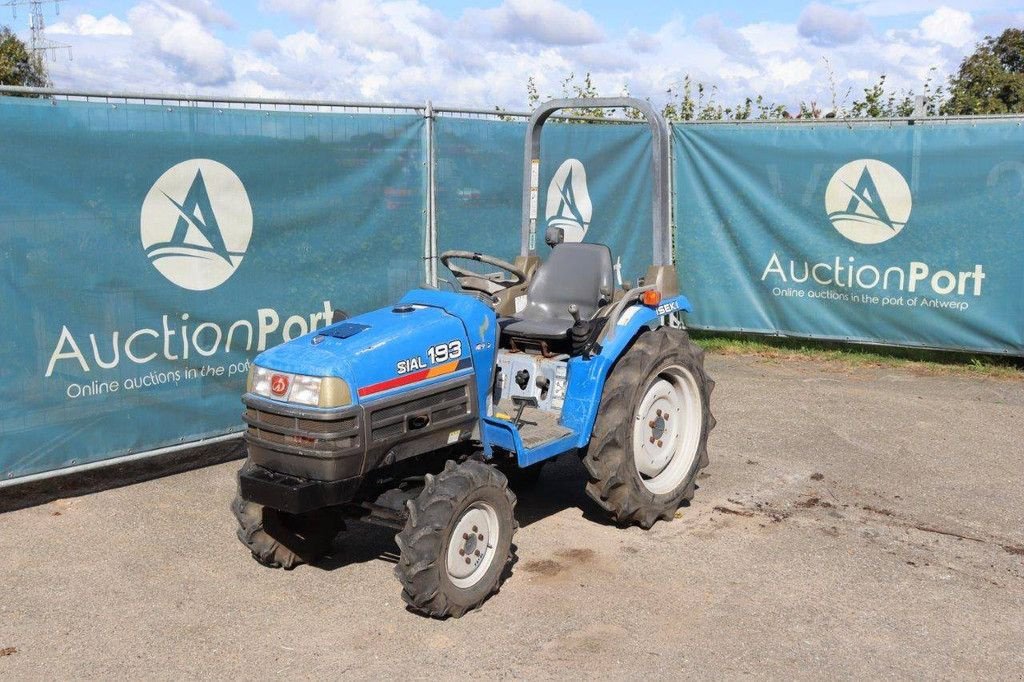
{"type": "Point", "coordinates": [660, 216]}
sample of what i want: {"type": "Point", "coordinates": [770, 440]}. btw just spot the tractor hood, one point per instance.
{"type": "Point", "coordinates": [378, 353]}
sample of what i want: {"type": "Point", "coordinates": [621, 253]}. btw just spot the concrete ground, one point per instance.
{"type": "Point", "coordinates": [853, 523]}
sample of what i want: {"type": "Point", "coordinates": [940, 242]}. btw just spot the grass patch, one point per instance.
{"type": "Point", "coordinates": [856, 355]}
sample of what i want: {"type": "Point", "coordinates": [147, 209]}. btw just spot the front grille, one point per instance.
{"type": "Point", "coordinates": [389, 431]}
{"type": "Point", "coordinates": [309, 434]}
{"type": "Point", "coordinates": [432, 412]}
{"type": "Point", "coordinates": [273, 421]}
{"type": "Point", "coordinates": [449, 412]}
{"type": "Point", "coordinates": [418, 405]}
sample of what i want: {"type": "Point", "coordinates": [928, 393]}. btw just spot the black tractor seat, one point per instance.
{"type": "Point", "coordinates": [574, 273]}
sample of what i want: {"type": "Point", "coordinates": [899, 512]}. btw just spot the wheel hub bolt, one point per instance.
{"type": "Point", "coordinates": [659, 413]}
{"type": "Point", "coordinates": [480, 537]}
{"type": "Point", "coordinates": [467, 560]}
{"type": "Point", "coordinates": [652, 423]}
{"type": "Point", "coordinates": [462, 552]}
{"type": "Point", "coordinates": [477, 552]}
{"type": "Point", "coordinates": [659, 443]}
{"type": "Point", "coordinates": [652, 439]}
{"type": "Point", "coordinates": [474, 529]}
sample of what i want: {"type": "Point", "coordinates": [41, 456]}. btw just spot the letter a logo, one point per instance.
{"type": "Point", "coordinates": [568, 205]}
{"type": "Point", "coordinates": [196, 224]}
{"type": "Point", "coordinates": [868, 201]}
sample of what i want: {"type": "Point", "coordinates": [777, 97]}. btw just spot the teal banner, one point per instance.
{"type": "Point", "coordinates": [883, 233]}
{"type": "Point", "coordinates": [147, 253]}
{"type": "Point", "coordinates": [595, 184]}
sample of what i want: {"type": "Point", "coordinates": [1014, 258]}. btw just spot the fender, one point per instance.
{"type": "Point", "coordinates": [587, 377]}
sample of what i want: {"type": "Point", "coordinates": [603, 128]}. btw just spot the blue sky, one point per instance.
{"type": "Point", "coordinates": [481, 52]}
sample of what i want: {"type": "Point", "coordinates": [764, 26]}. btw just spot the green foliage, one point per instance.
{"type": "Point", "coordinates": [881, 103]}
{"type": "Point", "coordinates": [991, 79]}
{"type": "Point", "coordinates": [18, 65]}
{"type": "Point", "coordinates": [691, 101]}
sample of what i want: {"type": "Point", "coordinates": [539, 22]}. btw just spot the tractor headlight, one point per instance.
{"type": "Point", "coordinates": [259, 381]}
{"type": "Point", "coordinates": [299, 388]}
{"type": "Point", "coordinates": [305, 390]}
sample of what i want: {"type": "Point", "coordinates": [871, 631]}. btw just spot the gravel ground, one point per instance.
{"type": "Point", "coordinates": [853, 523]}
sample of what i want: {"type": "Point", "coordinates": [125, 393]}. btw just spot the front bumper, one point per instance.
{"type": "Point", "coordinates": [294, 495]}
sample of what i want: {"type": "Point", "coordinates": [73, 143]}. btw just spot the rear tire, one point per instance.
{"type": "Point", "coordinates": [457, 541]}
{"type": "Point", "coordinates": [281, 540]}
{"type": "Point", "coordinates": [650, 437]}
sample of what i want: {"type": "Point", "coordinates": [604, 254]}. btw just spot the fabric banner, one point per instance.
{"type": "Point", "coordinates": [595, 183]}
{"type": "Point", "coordinates": [147, 253]}
{"type": "Point", "coordinates": [885, 233]}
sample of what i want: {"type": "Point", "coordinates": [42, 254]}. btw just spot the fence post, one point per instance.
{"type": "Point", "coordinates": [430, 243]}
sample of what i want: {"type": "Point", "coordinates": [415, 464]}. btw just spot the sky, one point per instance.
{"type": "Point", "coordinates": [480, 53]}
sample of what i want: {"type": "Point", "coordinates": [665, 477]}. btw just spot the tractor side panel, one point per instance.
{"type": "Point", "coordinates": [480, 325]}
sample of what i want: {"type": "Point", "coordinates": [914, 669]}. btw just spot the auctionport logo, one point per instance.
{"type": "Point", "coordinates": [868, 201]}
{"type": "Point", "coordinates": [569, 206]}
{"type": "Point", "coordinates": [196, 224]}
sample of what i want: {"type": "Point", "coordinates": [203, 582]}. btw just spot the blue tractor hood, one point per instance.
{"type": "Point", "coordinates": [420, 341]}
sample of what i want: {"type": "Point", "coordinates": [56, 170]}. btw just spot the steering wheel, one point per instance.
{"type": "Point", "coordinates": [488, 284]}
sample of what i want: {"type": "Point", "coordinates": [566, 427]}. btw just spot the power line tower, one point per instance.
{"type": "Point", "coordinates": [39, 43]}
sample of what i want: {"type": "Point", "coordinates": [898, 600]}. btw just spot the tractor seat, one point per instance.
{"type": "Point", "coordinates": [573, 273]}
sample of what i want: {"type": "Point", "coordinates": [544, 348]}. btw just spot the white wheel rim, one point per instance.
{"type": "Point", "coordinates": [471, 546]}
{"type": "Point", "coordinates": [666, 430]}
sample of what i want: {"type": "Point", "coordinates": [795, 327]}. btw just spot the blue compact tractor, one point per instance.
{"type": "Point", "coordinates": [420, 415]}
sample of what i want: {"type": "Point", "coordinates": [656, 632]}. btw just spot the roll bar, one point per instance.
{"type": "Point", "coordinates": [660, 214]}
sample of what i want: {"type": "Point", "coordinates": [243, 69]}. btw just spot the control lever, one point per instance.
{"type": "Point", "coordinates": [574, 310]}
{"type": "Point", "coordinates": [522, 402]}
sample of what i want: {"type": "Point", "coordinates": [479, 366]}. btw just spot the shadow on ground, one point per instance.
{"type": "Point", "coordinates": [561, 487]}
{"type": "Point", "coordinates": [114, 476]}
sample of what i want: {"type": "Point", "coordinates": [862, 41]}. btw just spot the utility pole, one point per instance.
{"type": "Point", "coordinates": [39, 43]}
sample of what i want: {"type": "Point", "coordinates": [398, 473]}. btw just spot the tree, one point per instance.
{"type": "Point", "coordinates": [18, 64]}
{"type": "Point", "coordinates": [991, 79]}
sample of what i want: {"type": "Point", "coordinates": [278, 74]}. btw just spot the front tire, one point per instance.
{"type": "Point", "coordinates": [281, 540]}
{"type": "Point", "coordinates": [457, 541]}
{"type": "Point", "coordinates": [650, 437]}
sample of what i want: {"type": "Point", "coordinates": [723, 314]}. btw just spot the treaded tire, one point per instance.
{"type": "Point", "coordinates": [615, 484]}
{"type": "Point", "coordinates": [281, 540]}
{"type": "Point", "coordinates": [422, 567]}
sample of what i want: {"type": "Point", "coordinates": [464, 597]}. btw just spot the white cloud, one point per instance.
{"type": "Point", "coordinates": [182, 41]}
{"type": "Point", "coordinates": [769, 36]}
{"type": "Point", "coordinates": [543, 21]}
{"type": "Point", "coordinates": [404, 50]}
{"type": "Point", "coordinates": [728, 40]}
{"type": "Point", "coordinates": [205, 11]}
{"type": "Point", "coordinates": [789, 72]}
{"type": "Point", "coordinates": [264, 42]}
{"type": "Point", "coordinates": [88, 25]}
{"type": "Point", "coordinates": [949, 26]}
{"type": "Point", "coordinates": [825, 26]}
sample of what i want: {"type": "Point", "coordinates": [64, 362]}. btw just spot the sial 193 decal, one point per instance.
{"type": "Point", "coordinates": [436, 354]}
